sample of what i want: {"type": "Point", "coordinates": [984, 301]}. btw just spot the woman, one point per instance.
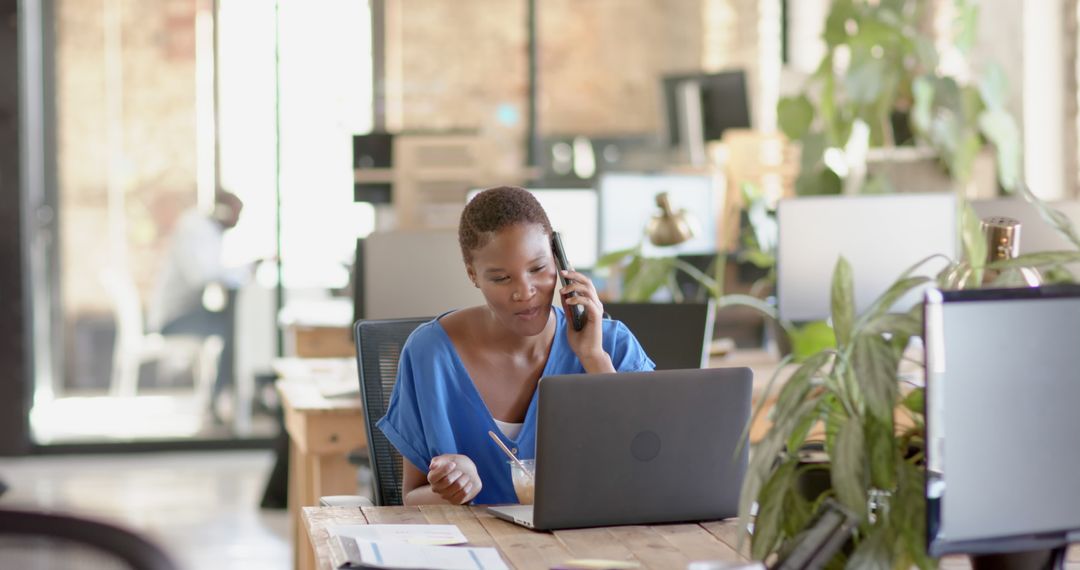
{"type": "Point", "coordinates": [476, 370]}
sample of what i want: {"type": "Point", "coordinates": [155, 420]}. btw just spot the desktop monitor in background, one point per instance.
{"type": "Point", "coordinates": [674, 335]}
{"type": "Point", "coordinates": [1002, 385]}
{"type": "Point", "coordinates": [881, 236]}
{"type": "Point", "coordinates": [700, 107]}
{"type": "Point", "coordinates": [416, 273]}
{"type": "Point", "coordinates": [628, 202]}
{"type": "Point", "coordinates": [573, 212]}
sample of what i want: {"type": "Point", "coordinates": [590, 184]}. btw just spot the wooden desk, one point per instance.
{"type": "Point", "coordinates": [321, 432]}
{"type": "Point", "coordinates": [654, 546]}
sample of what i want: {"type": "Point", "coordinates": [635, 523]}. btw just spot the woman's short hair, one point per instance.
{"type": "Point", "coordinates": [494, 209]}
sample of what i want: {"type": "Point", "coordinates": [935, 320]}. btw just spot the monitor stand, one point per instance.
{"type": "Point", "coordinates": [1046, 559]}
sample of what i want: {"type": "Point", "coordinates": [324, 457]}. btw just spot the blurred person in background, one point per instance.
{"type": "Point", "coordinates": [194, 290]}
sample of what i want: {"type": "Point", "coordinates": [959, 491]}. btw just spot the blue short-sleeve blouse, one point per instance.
{"type": "Point", "coordinates": [436, 409]}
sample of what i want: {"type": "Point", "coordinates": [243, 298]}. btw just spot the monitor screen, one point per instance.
{"type": "Point", "coordinates": [723, 104]}
{"type": "Point", "coordinates": [881, 236]}
{"type": "Point", "coordinates": [574, 213]}
{"type": "Point", "coordinates": [1002, 387]}
{"type": "Point", "coordinates": [414, 273]}
{"type": "Point", "coordinates": [628, 203]}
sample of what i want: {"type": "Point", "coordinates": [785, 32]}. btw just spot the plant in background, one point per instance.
{"type": "Point", "coordinates": [853, 399]}
{"type": "Point", "coordinates": [879, 69]}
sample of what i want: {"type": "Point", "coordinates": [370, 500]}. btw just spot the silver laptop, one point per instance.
{"type": "Point", "coordinates": [638, 448]}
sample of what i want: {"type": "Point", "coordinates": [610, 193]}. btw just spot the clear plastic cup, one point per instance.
{"type": "Point", "coordinates": [524, 483]}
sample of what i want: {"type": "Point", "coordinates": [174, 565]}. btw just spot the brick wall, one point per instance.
{"type": "Point", "coordinates": [600, 60]}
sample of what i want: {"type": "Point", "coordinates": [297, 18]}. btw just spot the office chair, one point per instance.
{"type": "Point", "coordinates": [378, 347]}
{"type": "Point", "coordinates": [33, 539]}
{"type": "Point", "coordinates": [134, 345]}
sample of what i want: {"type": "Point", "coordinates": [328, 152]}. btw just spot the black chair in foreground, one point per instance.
{"type": "Point", "coordinates": [44, 540]}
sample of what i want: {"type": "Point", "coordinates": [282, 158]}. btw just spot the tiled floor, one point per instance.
{"type": "Point", "coordinates": [203, 507]}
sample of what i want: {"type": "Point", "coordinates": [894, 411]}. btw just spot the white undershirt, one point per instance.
{"type": "Point", "coordinates": [509, 430]}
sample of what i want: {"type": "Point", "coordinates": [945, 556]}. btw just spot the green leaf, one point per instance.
{"type": "Point", "coordinates": [875, 363]}
{"type": "Point", "coordinates": [811, 338]}
{"type": "Point", "coordinates": [617, 256]}
{"type": "Point", "coordinates": [843, 302]}
{"type": "Point", "coordinates": [883, 453]}
{"type": "Point", "coordinates": [864, 81]}
{"type": "Point", "coordinates": [1056, 219]}
{"type": "Point", "coordinates": [966, 25]}
{"type": "Point", "coordinates": [794, 115]}
{"type": "Point", "coordinates": [922, 89]}
{"type": "Point", "coordinates": [798, 385]}
{"type": "Point", "coordinates": [993, 86]}
{"type": "Point", "coordinates": [893, 323]}
{"type": "Point", "coordinates": [652, 275]}
{"type": "Point", "coordinates": [973, 241]}
{"type": "Point", "coordinates": [1038, 259]}
{"type": "Point", "coordinates": [770, 514]}
{"type": "Point", "coordinates": [812, 154]}
{"type": "Point", "coordinates": [886, 300]}
{"type": "Point", "coordinates": [916, 400]}
{"type": "Point", "coordinates": [873, 552]}
{"type": "Point", "coordinates": [998, 126]}
{"type": "Point", "coordinates": [848, 467]}
{"type": "Point", "coordinates": [764, 459]}
{"type": "Point", "coordinates": [819, 182]}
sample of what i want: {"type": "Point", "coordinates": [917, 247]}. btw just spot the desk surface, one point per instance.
{"type": "Point", "coordinates": [655, 546]}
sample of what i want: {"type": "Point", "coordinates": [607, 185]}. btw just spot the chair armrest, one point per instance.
{"type": "Point", "coordinates": [352, 501]}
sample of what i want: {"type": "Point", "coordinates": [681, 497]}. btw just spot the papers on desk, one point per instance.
{"type": "Point", "coordinates": [408, 546]}
{"type": "Point", "coordinates": [429, 534]}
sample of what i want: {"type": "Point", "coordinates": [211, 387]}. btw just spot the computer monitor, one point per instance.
{"type": "Point", "coordinates": [881, 236]}
{"type": "Point", "coordinates": [1002, 384]}
{"type": "Point", "coordinates": [628, 202]}
{"type": "Point", "coordinates": [674, 335]}
{"type": "Point", "coordinates": [574, 213]}
{"type": "Point", "coordinates": [414, 273]}
{"type": "Point", "coordinates": [720, 102]}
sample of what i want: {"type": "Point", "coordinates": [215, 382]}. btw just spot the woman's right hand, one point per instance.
{"type": "Point", "coordinates": [454, 478]}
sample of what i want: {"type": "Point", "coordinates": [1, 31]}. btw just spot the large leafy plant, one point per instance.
{"type": "Point", "coordinates": [853, 399]}
{"type": "Point", "coordinates": [880, 71]}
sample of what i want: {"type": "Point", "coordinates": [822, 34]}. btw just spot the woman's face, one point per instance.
{"type": "Point", "coordinates": [516, 273]}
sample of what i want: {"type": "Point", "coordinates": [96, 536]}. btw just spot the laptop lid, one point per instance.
{"type": "Point", "coordinates": [674, 335]}
{"type": "Point", "coordinates": [640, 447]}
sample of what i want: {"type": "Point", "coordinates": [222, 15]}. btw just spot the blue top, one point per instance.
{"type": "Point", "coordinates": [436, 409]}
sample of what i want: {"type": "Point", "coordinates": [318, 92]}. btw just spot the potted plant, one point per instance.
{"type": "Point", "coordinates": [880, 76]}
{"type": "Point", "coordinates": [853, 401]}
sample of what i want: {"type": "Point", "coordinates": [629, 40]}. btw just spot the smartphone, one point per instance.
{"type": "Point", "coordinates": [577, 312]}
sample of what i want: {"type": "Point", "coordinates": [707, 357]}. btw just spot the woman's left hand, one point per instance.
{"type": "Point", "coordinates": [586, 343]}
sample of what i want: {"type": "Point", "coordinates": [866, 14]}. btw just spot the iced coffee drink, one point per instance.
{"type": "Point", "coordinates": [524, 483]}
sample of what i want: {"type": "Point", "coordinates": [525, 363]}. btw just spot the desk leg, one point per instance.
{"type": "Point", "coordinates": [299, 496]}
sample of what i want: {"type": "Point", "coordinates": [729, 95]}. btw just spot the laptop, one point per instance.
{"type": "Point", "coordinates": [638, 448]}
{"type": "Point", "coordinates": [674, 335]}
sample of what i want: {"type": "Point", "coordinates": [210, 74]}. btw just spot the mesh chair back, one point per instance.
{"type": "Point", "coordinates": [42, 540]}
{"type": "Point", "coordinates": [378, 348]}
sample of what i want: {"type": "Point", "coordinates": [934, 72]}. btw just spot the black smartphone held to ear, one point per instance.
{"type": "Point", "coordinates": [577, 312]}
